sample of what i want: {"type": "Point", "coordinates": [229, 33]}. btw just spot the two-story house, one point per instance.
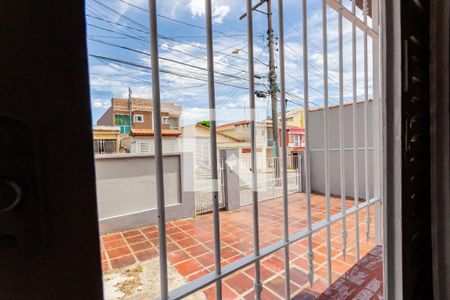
{"type": "Point", "coordinates": [135, 119]}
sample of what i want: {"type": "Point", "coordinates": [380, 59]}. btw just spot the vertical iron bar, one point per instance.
{"type": "Point", "coordinates": [355, 134]}
{"type": "Point", "coordinates": [213, 147]}
{"type": "Point", "coordinates": [376, 125]}
{"type": "Point", "coordinates": [284, 149]}
{"type": "Point", "coordinates": [310, 253]}
{"type": "Point", "coordinates": [341, 134]}
{"type": "Point", "coordinates": [326, 146]}
{"type": "Point", "coordinates": [158, 150]}
{"type": "Point", "coordinates": [366, 137]}
{"type": "Point", "coordinates": [251, 95]}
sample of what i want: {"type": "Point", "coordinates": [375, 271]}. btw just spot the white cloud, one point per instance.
{"type": "Point", "coordinates": [100, 103]}
{"type": "Point", "coordinates": [220, 11]}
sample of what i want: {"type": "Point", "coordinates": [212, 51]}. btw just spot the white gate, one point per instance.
{"type": "Point", "coordinates": [203, 190]}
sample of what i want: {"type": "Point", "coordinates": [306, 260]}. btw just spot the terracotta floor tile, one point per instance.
{"type": "Point", "coordinates": [302, 263]}
{"type": "Point", "coordinates": [151, 234]}
{"type": "Point", "coordinates": [191, 248]}
{"type": "Point", "coordinates": [227, 293]}
{"type": "Point", "coordinates": [239, 282]}
{"type": "Point", "coordinates": [115, 244]}
{"type": "Point", "coordinates": [171, 247]}
{"type": "Point", "coordinates": [206, 259]}
{"type": "Point", "coordinates": [141, 246]}
{"type": "Point", "coordinates": [197, 250]}
{"type": "Point", "coordinates": [319, 286]}
{"type": "Point", "coordinates": [307, 294]}
{"type": "Point", "coordinates": [188, 242]}
{"type": "Point", "coordinates": [122, 261]}
{"type": "Point", "coordinates": [194, 276]}
{"type": "Point", "coordinates": [188, 267]}
{"type": "Point", "coordinates": [243, 246]}
{"type": "Point", "coordinates": [265, 272]}
{"type": "Point", "coordinates": [105, 266]}
{"type": "Point", "coordinates": [136, 239]}
{"type": "Point", "coordinates": [274, 263]}
{"type": "Point", "coordinates": [111, 237]}
{"type": "Point", "coordinates": [265, 294]}
{"type": "Point", "coordinates": [179, 236]}
{"type": "Point", "coordinates": [235, 258]}
{"type": "Point", "coordinates": [276, 285]}
{"type": "Point", "coordinates": [298, 276]}
{"type": "Point", "coordinates": [177, 256]}
{"type": "Point", "coordinates": [227, 252]}
{"type": "Point", "coordinates": [131, 233]}
{"type": "Point", "coordinates": [117, 252]}
{"type": "Point", "coordinates": [146, 254]}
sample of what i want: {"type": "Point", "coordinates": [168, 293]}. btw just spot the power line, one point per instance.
{"type": "Point", "coordinates": [125, 62]}
{"type": "Point", "coordinates": [165, 58]}
{"type": "Point", "coordinates": [175, 20]}
{"type": "Point", "coordinates": [162, 36]}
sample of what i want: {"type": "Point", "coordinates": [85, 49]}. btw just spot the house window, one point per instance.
{"type": "Point", "coordinates": [138, 118]}
{"type": "Point", "coordinates": [123, 121]}
{"type": "Point", "coordinates": [165, 120]}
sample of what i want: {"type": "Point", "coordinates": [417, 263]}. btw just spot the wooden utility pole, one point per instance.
{"type": "Point", "coordinates": [273, 86]}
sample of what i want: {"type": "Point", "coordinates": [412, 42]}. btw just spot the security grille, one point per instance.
{"type": "Point", "coordinates": [356, 149]}
{"type": "Point", "coordinates": [104, 146]}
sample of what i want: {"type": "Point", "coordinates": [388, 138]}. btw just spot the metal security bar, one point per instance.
{"type": "Point", "coordinates": [251, 96]}
{"type": "Point", "coordinates": [158, 151]}
{"type": "Point", "coordinates": [213, 147]}
{"type": "Point", "coordinates": [258, 254]}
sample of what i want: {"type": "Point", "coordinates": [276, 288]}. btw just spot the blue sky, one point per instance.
{"type": "Point", "coordinates": [118, 30]}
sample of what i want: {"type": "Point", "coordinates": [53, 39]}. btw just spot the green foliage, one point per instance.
{"type": "Point", "coordinates": [205, 123]}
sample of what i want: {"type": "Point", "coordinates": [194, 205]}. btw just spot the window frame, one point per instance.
{"type": "Point", "coordinates": [136, 118]}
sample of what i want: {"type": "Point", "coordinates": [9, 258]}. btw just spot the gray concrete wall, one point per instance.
{"type": "Point", "coordinates": [316, 140]}
{"type": "Point", "coordinates": [126, 190]}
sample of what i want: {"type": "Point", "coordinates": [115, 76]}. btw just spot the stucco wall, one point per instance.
{"type": "Point", "coordinates": [170, 144]}
{"type": "Point", "coordinates": [316, 140]}
{"type": "Point", "coordinates": [126, 190]}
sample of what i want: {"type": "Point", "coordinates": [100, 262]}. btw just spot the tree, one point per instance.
{"type": "Point", "coordinates": [205, 123]}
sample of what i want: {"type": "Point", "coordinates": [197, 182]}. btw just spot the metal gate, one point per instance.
{"type": "Point", "coordinates": [203, 192]}
{"type": "Point", "coordinates": [269, 186]}
{"type": "Point", "coordinates": [219, 273]}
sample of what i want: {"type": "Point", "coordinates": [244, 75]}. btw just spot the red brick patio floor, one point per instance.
{"type": "Point", "coordinates": [191, 246]}
{"type": "Point", "coordinates": [363, 281]}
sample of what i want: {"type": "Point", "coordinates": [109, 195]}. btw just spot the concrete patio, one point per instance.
{"type": "Point", "coordinates": [191, 244]}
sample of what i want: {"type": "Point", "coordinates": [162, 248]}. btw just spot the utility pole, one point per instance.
{"type": "Point", "coordinates": [129, 108]}
{"type": "Point", "coordinates": [273, 89]}
{"type": "Point", "coordinates": [272, 82]}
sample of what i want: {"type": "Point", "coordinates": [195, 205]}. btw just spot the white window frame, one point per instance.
{"type": "Point", "coordinates": [136, 118]}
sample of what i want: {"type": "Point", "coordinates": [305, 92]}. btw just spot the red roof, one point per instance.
{"type": "Point", "coordinates": [151, 132]}
{"type": "Point", "coordinates": [235, 123]}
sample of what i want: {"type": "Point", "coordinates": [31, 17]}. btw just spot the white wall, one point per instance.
{"type": "Point", "coordinates": [316, 140]}
{"type": "Point", "coordinates": [147, 145]}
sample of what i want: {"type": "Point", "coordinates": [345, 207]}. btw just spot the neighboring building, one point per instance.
{"type": "Point", "coordinates": [241, 131]}
{"type": "Point", "coordinates": [295, 135]}
{"type": "Point", "coordinates": [135, 122]}
{"type": "Point", "coordinates": [196, 140]}
{"type": "Point", "coordinates": [295, 117]}
{"type": "Point", "coordinates": [142, 141]}
{"type": "Point", "coordinates": [237, 136]}
{"type": "Point", "coordinates": [106, 139]}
